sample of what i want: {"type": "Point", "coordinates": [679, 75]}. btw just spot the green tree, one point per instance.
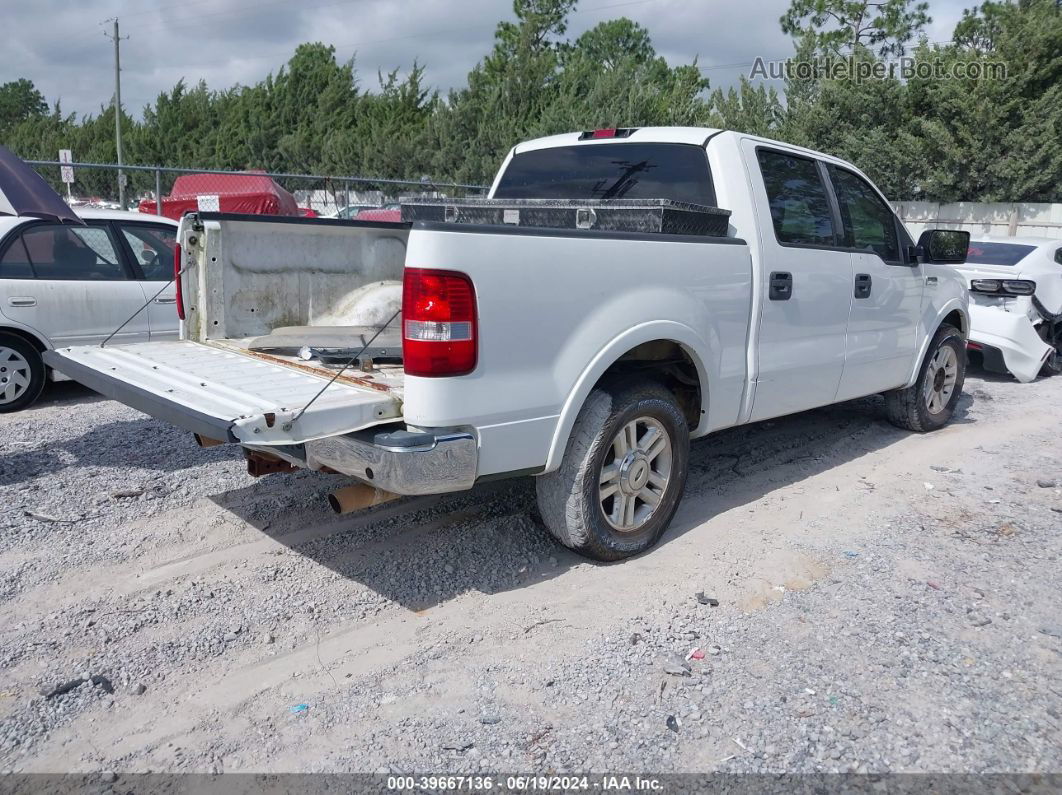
{"type": "Point", "coordinates": [19, 100]}
{"type": "Point", "coordinates": [993, 138]}
{"type": "Point", "coordinates": [752, 109]}
{"type": "Point", "coordinates": [842, 26]}
{"type": "Point", "coordinates": [615, 43]}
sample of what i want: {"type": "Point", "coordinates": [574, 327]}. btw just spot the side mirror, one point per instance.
{"type": "Point", "coordinates": [943, 246]}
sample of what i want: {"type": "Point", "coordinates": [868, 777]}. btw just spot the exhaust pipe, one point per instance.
{"type": "Point", "coordinates": [358, 496]}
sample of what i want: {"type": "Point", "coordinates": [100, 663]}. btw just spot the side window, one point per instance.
{"type": "Point", "coordinates": [15, 263]}
{"type": "Point", "coordinates": [1058, 255]}
{"type": "Point", "coordinates": [153, 248]}
{"type": "Point", "coordinates": [868, 221]}
{"type": "Point", "coordinates": [800, 208]}
{"type": "Point", "coordinates": [81, 253]}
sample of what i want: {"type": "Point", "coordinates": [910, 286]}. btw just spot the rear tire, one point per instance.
{"type": "Point", "coordinates": [930, 402]}
{"type": "Point", "coordinates": [623, 472]}
{"type": "Point", "coordinates": [22, 374]}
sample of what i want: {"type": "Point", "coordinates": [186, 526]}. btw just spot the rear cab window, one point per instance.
{"type": "Point", "coordinates": [984, 253]}
{"type": "Point", "coordinates": [673, 171]}
{"type": "Point", "coordinates": [800, 206]}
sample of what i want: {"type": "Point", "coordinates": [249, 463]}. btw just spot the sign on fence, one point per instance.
{"type": "Point", "coordinates": [66, 172]}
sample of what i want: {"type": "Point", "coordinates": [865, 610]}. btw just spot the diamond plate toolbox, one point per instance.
{"type": "Point", "coordinates": [660, 216]}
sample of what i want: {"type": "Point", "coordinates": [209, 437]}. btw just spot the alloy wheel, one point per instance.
{"type": "Point", "coordinates": [941, 376]}
{"type": "Point", "coordinates": [635, 474]}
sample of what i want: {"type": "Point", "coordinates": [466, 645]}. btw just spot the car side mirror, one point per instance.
{"type": "Point", "coordinates": [942, 246]}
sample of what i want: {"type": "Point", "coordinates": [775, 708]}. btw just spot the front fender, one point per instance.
{"type": "Point", "coordinates": [932, 322]}
{"type": "Point", "coordinates": [680, 333]}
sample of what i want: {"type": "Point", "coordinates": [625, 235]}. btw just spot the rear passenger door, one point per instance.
{"type": "Point", "coordinates": [806, 287]}
{"type": "Point", "coordinates": [72, 284]}
{"type": "Point", "coordinates": [882, 338]}
{"type": "Point", "coordinates": [150, 249]}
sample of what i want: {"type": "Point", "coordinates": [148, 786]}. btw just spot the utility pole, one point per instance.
{"type": "Point", "coordinates": [118, 111]}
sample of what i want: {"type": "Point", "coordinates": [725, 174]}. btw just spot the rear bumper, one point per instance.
{"type": "Point", "coordinates": [1014, 336]}
{"type": "Point", "coordinates": [437, 464]}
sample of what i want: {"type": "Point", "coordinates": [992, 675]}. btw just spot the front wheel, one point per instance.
{"type": "Point", "coordinates": [930, 402]}
{"type": "Point", "coordinates": [623, 473]}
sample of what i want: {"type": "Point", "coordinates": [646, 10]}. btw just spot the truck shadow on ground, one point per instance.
{"type": "Point", "coordinates": [160, 447]}
{"type": "Point", "coordinates": [421, 552]}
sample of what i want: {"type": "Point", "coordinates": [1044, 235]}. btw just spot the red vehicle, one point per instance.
{"type": "Point", "coordinates": [308, 212]}
{"type": "Point", "coordinates": [389, 212]}
{"type": "Point", "coordinates": [251, 193]}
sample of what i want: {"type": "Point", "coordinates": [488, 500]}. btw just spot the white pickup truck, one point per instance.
{"type": "Point", "coordinates": [587, 358]}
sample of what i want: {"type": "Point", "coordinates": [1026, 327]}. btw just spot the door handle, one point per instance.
{"type": "Point", "coordinates": [862, 285]}
{"type": "Point", "coordinates": [165, 300]}
{"type": "Point", "coordinates": [781, 288]}
{"type": "Point", "coordinates": [22, 301]}
{"type": "Point", "coordinates": [931, 281]}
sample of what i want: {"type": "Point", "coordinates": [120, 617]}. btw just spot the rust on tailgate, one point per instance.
{"type": "Point", "coordinates": [347, 379]}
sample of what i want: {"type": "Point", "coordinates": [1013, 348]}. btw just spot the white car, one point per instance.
{"type": "Point", "coordinates": [1016, 304]}
{"type": "Point", "coordinates": [62, 285]}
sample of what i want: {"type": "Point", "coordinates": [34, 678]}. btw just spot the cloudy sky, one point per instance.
{"type": "Point", "coordinates": [60, 44]}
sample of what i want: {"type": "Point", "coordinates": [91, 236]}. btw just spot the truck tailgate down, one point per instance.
{"type": "Point", "coordinates": [225, 395]}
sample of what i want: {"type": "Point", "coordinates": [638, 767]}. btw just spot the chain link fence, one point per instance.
{"type": "Point", "coordinates": [99, 185]}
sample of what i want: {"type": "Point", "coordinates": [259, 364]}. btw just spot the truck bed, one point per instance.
{"type": "Point", "coordinates": [246, 278]}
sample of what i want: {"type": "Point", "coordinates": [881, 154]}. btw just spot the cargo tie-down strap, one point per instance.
{"type": "Point", "coordinates": [142, 308]}
{"type": "Point", "coordinates": [343, 369]}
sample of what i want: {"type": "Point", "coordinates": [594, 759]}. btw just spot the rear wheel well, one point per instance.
{"type": "Point", "coordinates": [668, 363]}
{"type": "Point", "coordinates": [32, 339]}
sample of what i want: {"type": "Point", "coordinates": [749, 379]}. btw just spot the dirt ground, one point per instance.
{"type": "Point", "coordinates": [887, 601]}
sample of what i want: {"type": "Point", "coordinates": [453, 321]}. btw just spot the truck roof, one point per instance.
{"type": "Point", "coordinates": [677, 135]}
{"type": "Point", "coordinates": [670, 135]}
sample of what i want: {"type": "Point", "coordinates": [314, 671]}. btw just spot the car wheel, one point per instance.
{"type": "Point", "coordinates": [22, 373]}
{"type": "Point", "coordinates": [623, 473]}
{"type": "Point", "coordinates": [929, 403]}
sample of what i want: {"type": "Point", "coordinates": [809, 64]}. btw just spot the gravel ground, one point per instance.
{"type": "Point", "coordinates": [886, 602]}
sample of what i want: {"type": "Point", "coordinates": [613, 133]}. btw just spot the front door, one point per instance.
{"type": "Point", "coordinates": [882, 336]}
{"type": "Point", "coordinates": [75, 287]}
{"type": "Point", "coordinates": [807, 285]}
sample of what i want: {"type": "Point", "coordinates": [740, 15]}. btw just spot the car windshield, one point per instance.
{"type": "Point", "coordinates": [610, 171]}
{"type": "Point", "coordinates": [983, 253]}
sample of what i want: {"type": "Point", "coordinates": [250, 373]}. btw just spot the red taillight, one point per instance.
{"type": "Point", "coordinates": [608, 132]}
{"type": "Point", "coordinates": [177, 280]}
{"type": "Point", "coordinates": [438, 323]}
